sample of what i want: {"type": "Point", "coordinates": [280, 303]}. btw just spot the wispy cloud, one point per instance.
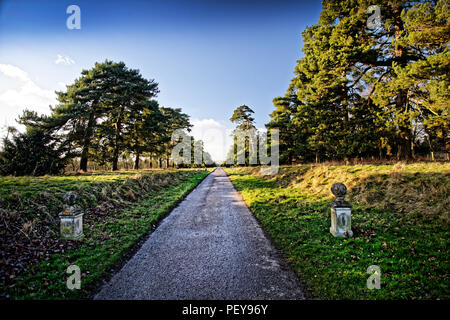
{"type": "Point", "coordinates": [66, 60]}
{"type": "Point", "coordinates": [26, 94]}
{"type": "Point", "coordinates": [14, 72]}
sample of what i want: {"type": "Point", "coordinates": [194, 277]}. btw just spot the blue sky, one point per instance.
{"type": "Point", "coordinates": [207, 56]}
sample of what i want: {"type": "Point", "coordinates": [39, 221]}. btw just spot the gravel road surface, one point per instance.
{"type": "Point", "coordinates": [209, 247]}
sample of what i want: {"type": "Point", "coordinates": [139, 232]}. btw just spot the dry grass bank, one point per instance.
{"type": "Point", "coordinates": [413, 189]}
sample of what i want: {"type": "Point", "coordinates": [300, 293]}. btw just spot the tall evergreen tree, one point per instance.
{"type": "Point", "coordinates": [129, 89]}
{"type": "Point", "coordinates": [242, 117]}
{"type": "Point", "coordinates": [364, 90]}
{"type": "Point", "coordinates": [81, 107]}
{"type": "Point", "coordinates": [37, 151]}
{"type": "Point", "coordinates": [173, 119]}
{"type": "Point", "coordinates": [144, 130]}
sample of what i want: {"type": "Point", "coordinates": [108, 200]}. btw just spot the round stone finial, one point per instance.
{"type": "Point", "coordinates": [69, 198]}
{"type": "Point", "coordinates": [339, 190]}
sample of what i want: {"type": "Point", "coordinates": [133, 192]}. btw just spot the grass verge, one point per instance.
{"type": "Point", "coordinates": [108, 234]}
{"type": "Point", "coordinates": [409, 246]}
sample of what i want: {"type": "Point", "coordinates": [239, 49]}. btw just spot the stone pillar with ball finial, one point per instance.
{"type": "Point", "coordinates": [71, 219]}
{"type": "Point", "coordinates": [341, 210]}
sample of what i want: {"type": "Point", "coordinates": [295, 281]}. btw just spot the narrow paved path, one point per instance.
{"type": "Point", "coordinates": [209, 247]}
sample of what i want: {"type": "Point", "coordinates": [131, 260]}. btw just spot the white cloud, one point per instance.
{"type": "Point", "coordinates": [64, 60]}
{"type": "Point", "coordinates": [26, 94]}
{"type": "Point", "coordinates": [216, 137]}
{"type": "Point", "coordinates": [14, 72]}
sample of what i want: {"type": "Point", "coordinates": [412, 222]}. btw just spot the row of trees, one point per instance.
{"type": "Point", "coordinates": [369, 92]}
{"type": "Point", "coordinates": [109, 112]}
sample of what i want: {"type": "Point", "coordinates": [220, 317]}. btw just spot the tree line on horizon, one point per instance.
{"type": "Point", "coordinates": [379, 92]}
{"type": "Point", "coordinates": [108, 113]}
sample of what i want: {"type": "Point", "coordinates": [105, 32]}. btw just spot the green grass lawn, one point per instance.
{"type": "Point", "coordinates": [409, 246]}
{"type": "Point", "coordinates": [121, 208]}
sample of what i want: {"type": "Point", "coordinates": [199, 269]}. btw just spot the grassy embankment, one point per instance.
{"type": "Point", "coordinates": [120, 209]}
{"type": "Point", "coordinates": [400, 221]}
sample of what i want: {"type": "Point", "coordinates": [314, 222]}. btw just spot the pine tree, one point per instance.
{"type": "Point", "coordinates": [80, 108]}
{"type": "Point", "coordinates": [37, 151]}
{"type": "Point", "coordinates": [144, 130]}
{"type": "Point", "coordinates": [362, 91]}
{"type": "Point", "coordinates": [173, 119]}
{"type": "Point", "coordinates": [120, 103]}
{"type": "Point", "coordinates": [242, 117]}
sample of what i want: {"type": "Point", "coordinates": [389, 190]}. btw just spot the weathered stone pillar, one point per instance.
{"type": "Point", "coordinates": [71, 224]}
{"type": "Point", "coordinates": [341, 220]}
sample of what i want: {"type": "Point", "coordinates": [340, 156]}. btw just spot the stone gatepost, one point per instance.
{"type": "Point", "coordinates": [71, 224]}
{"type": "Point", "coordinates": [341, 210]}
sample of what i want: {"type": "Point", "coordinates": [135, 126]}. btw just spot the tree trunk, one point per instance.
{"type": "Point", "coordinates": [404, 147]}
{"type": "Point", "coordinates": [115, 160]}
{"type": "Point", "coordinates": [136, 161]}
{"type": "Point", "coordinates": [167, 163]}
{"type": "Point", "coordinates": [114, 165]}
{"type": "Point", "coordinates": [86, 142]}
{"type": "Point", "coordinates": [160, 163]}
{"type": "Point", "coordinates": [401, 100]}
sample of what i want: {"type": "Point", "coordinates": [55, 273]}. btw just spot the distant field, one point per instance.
{"type": "Point", "coordinates": [120, 208]}
{"type": "Point", "coordinates": [400, 221]}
